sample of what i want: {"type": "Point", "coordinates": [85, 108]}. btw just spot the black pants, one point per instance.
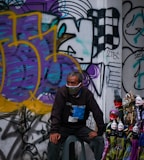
{"type": "Point", "coordinates": [96, 144]}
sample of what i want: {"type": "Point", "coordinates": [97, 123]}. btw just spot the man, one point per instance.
{"type": "Point", "coordinates": [71, 109]}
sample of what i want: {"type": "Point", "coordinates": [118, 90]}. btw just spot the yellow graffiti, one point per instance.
{"type": "Point", "coordinates": [54, 29]}
{"type": "Point", "coordinates": [39, 15]}
{"type": "Point", "coordinates": [2, 64]}
{"type": "Point", "coordinates": [32, 102]}
{"type": "Point", "coordinates": [37, 56]}
{"type": "Point", "coordinates": [36, 106]}
{"type": "Point", "coordinates": [7, 105]}
{"type": "Point", "coordinates": [70, 57]}
{"type": "Point", "coordinates": [14, 20]}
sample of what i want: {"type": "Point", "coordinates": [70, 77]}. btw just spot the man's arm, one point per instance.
{"type": "Point", "coordinates": [56, 117]}
{"type": "Point", "coordinates": [56, 113]}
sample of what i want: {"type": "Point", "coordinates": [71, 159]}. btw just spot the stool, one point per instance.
{"type": "Point", "coordinates": [70, 143]}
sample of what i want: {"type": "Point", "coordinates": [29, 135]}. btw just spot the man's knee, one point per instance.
{"type": "Point", "coordinates": [99, 140]}
{"type": "Point", "coordinates": [53, 151]}
{"type": "Point", "coordinates": [97, 146]}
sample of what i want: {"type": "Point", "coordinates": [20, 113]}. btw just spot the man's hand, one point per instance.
{"type": "Point", "coordinates": [54, 137]}
{"type": "Point", "coordinates": [92, 134]}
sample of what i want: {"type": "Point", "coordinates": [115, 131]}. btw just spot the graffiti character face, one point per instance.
{"type": "Point", "coordinates": [133, 25]}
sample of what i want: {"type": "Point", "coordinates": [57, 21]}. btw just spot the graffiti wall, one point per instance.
{"type": "Point", "coordinates": [40, 43]}
{"type": "Point", "coordinates": [133, 47]}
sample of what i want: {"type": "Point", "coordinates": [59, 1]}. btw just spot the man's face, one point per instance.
{"type": "Point", "coordinates": [73, 85]}
{"type": "Point", "coordinates": [72, 81]}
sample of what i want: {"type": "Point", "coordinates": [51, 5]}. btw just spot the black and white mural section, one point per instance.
{"type": "Point", "coordinates": [133, 47]}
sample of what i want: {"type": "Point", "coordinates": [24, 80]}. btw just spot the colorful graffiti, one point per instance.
{"type": "Point", "coordinates": [27, 72]}
{"type": "Point", "coordinates": [29, 66]}
{"type": "Point", "coordinates": [40, 43]}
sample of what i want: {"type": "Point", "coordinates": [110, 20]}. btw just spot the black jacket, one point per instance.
{"type": "Point", "coordinates": [73, 112]}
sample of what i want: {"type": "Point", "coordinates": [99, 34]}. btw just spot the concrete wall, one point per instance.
{"type": "Point", "coordinates": [133, 47]}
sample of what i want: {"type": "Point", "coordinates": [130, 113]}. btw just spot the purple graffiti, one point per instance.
{"type": "Point", "coordinates": [26, 6]}
{"type": "Point", "coordinates": [21, 60]}
{"type": "Point", "coordinates": [93, 71]}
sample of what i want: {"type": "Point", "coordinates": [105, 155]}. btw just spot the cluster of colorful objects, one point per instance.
{"type": "Point", "coordinates": [125, 130]}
